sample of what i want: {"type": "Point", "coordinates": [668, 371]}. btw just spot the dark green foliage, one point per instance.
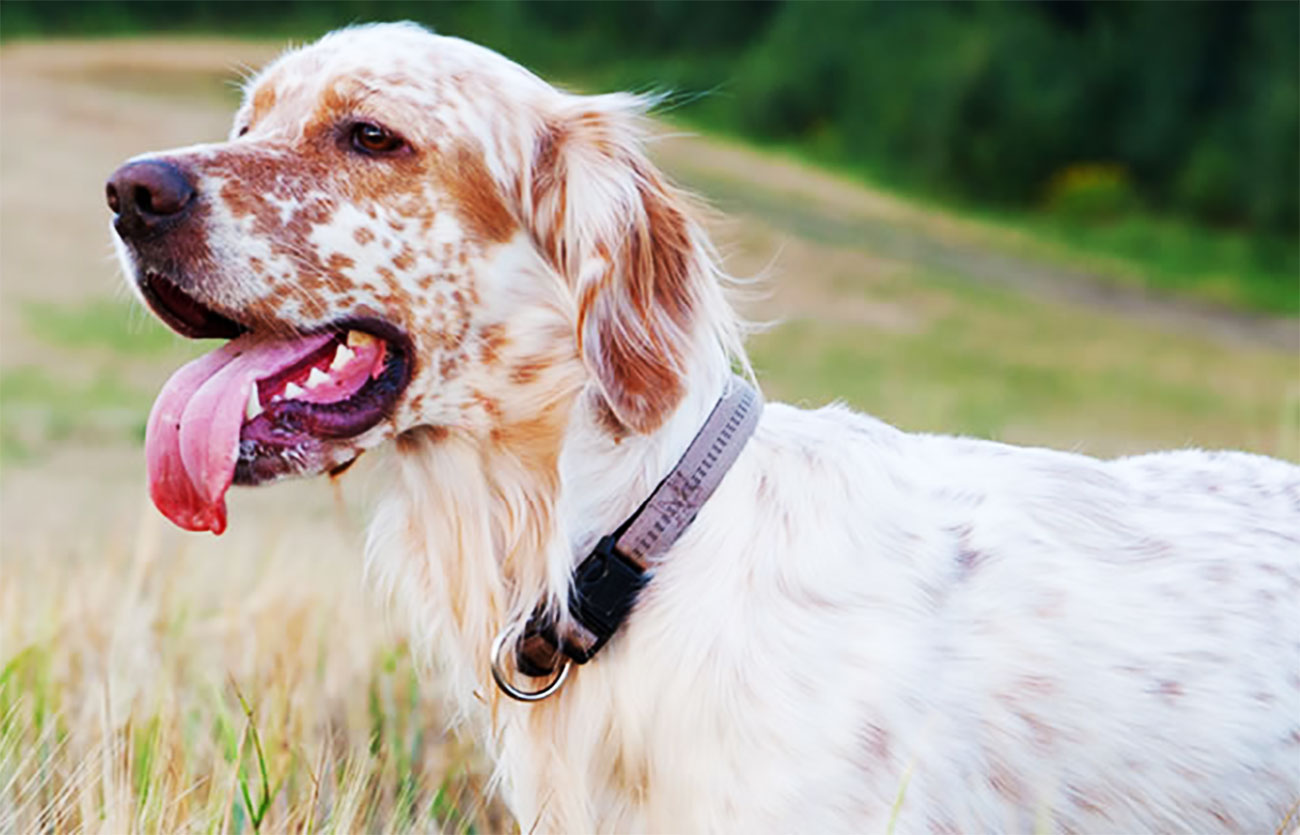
{"type": "Point", "coordinates": [1195, 105]}
{"type": "Point", "coordinates": [1199, 102]}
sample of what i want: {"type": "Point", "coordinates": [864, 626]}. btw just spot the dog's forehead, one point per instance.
{"type": "Point", "coordinates": [396, 70]}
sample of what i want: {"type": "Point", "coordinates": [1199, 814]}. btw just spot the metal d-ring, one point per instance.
{"type": "Point", "coordinates": [499, 673]}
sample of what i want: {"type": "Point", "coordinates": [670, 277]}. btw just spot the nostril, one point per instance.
{"type": "Point", "coordinates": [144, 200]}
{"type": "Point", "coordinates": [113, 203]}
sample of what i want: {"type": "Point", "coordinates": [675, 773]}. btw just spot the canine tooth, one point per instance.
{"type": "Point", "coordinates": [358, 338]}
{"type": "Point", "coordinates": [254, 406]}
{"type": "Point", "coordinates": [316, 377]}
{"type": "Point", "coordinates": [292, 390]}
{"type": "Point", "coordinates": [342, 357]}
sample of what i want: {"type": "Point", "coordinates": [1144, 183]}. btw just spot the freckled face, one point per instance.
{"type": "Point", "coordinates": [346, 199]}
{"type": "Point", "coordinates": [354, 195]}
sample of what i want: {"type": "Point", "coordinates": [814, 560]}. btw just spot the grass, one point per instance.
{"type": "Point", "coordinates": [113, 325]}
{"type": "Point", "coordinates": [1168, 255]}
{"type": "Point", "coordinates": [81, 388]}
{"type": "Point", "coordinates": [1138, 249]}
{"type": "Point", "coordinates": [39, 409]}
{"type": "Point", "coordinates": [148, 708]}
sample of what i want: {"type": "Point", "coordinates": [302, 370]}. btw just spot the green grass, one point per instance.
{"type": "Point", "coordinates": [992, 363]}
{"type": "Point", "coordinates": [1169, 255]}
{"type": "Point", "coordinates": [120, 327]}
{"type": "Point", "coordinates": [39, 408]}
{"type": "Point", "coordinates": [81, 390]}
{"type": "Point", "coordinates": [1161, 253]}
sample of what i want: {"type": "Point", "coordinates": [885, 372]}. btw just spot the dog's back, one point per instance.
{"type": "Point", "coordinates": [989, 636]}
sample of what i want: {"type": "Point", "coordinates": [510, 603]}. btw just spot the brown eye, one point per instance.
{"type": "Point", "coordinates": [372, 139]}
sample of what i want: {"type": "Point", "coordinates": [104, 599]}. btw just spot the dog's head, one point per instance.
{"type": "Point", "coordinates": [403, 230]}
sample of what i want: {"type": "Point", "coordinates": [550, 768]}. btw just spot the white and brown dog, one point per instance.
{"type": "Point", "coordinates": [409, 237]}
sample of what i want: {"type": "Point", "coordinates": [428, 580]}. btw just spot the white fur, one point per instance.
{"type": "Point", "coordinates": [863, 629]}
{"type": "Point", "coordinates": [999, 638]}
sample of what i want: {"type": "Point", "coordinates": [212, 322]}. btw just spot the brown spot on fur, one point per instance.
{"type": "Point", "coordinates": [405, 259]}
{"type": "Point", "coordinates": [339, 262]}
{"type": "Point", "coordinates": [943, 826]}
{"type": "Point", "coordinates": [410, 440]}
{"type": "Point", "coordinates": [1082, 799]}
{"type": "Point", "coordinates": [527, 371]}
{"type": "Point", "coordinates": [1006, 783]}
{"type": "Point", "coordinates": [448, 366]}
{"type": "Point", "coordinates": [877, 741]}
{"type": "Point", "coordinates": [363, 236]}
{"type": "Point", "coordinates": [1226, 820]}
{"type": "Point", "coordinates": [263, 100]}
{"type": "Point", "coordinates": [969, 560]}
{"type": "Point", "coordinates": [490, 406]}
{"type": "Point", "coordinates": [1170, 690]}
{"type": "Point", "coordinates": [476, 197]}
{"type": "Point", "coordinates": [492, 338]}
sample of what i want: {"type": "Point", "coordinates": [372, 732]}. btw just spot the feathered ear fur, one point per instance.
{"type": "Point", "coordinates": [624, 240]}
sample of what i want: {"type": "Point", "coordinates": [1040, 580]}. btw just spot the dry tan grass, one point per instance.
{"type": "Point", "coordinates": [125, 646]}
{"type": "Point", "coordinates": [128, 647]}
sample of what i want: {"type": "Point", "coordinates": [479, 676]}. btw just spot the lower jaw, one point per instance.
{"type": "Point", "coordinates": [260, 462]}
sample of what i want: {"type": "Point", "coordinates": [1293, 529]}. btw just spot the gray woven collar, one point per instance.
{"type": "Point", "coordinates": [606, 584]}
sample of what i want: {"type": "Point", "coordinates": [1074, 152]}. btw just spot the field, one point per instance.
{"type": "Point", "coordinates": [155, 681]}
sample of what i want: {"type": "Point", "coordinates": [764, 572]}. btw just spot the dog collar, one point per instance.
{"type": "Point", "coordinates": [606, 584]}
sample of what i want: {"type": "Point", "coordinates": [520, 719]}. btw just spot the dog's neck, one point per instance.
{"type": "Point", "coordinates": [606, 472]}
{"type": "Point", "coordinates": [468, 556]}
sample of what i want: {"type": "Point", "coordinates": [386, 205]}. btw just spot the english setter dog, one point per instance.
{"type": "Point", "coordinates": [408, 237]}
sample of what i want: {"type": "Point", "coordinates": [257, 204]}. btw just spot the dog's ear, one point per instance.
{"type": "Point", "coordinates": [623, 239]}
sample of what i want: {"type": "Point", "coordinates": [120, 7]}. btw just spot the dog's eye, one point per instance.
{"type": "Point", "coordinates": [373, 139]}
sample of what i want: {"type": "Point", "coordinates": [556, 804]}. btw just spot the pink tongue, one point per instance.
{"type": "Point", "coordinates": [192, 438]}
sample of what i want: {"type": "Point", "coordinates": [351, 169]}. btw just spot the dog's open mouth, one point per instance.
{"type": "Point", "coordinates": [262, 406]}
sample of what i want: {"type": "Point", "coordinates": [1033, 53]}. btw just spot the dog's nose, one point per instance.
{"type": "Point", "coordinates": [144, 195]}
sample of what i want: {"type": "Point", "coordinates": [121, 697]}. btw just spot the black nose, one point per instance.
{"type": "Point", "coordinates": [145, 195]}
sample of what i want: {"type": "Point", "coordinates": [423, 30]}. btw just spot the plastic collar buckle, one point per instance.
{"type": "Point", "coordinates": [605, 587]}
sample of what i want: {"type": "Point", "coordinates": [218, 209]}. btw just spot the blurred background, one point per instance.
{"type": "Point", "coordinates": [1069, 224]}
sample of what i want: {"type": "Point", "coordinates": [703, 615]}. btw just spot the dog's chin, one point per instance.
{"type": "Point", "coordinates": [263, 461]}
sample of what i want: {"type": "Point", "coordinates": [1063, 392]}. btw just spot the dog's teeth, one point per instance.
{"type": "Point", "coordinates": [292, 391]}
{"type": "Point", "coordinates": [316, 377]}
{"type": "Point", "coordinates": [357, 339]}
{"type": "Point", "coordinates": [342, 357]}
{"type": "Point", "coordinates": [254, 406]}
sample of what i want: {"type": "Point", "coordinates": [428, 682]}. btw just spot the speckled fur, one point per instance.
{"type": "Point", "coordinates": [983, 636]}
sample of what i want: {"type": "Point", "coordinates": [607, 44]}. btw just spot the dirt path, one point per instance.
{"type": "Point", "coordinates": [825, 209]}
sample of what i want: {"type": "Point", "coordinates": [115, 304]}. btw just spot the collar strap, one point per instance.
{"type": "Point", "coordinates": [606, 584]}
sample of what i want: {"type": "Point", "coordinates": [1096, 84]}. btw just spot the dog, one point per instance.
{"type": "Point", "coordinates": [408, 237]}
